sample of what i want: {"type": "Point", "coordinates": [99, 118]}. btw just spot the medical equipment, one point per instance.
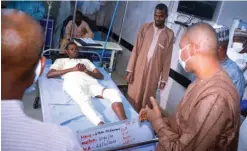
{"type": "Point", "coordinates": [73, 22]}
{"type": "Point", "coordinates": [121, 29]}
{"type": "Point", "coordinates": [47, 19]}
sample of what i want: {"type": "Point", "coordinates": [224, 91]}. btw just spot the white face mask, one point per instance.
{"type": "Point", "coordinates": [183, 63]}
{"type": "Point", "coordinates": [37, 73]}
{"type": "Point", "coordinates": [238, 46]}
{"type": "Point", "coordinates": [245, 57]}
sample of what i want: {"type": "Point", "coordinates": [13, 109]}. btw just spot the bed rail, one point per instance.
{"type": "Point", "coordinates": [58, 50]}
{"type": "Point", "coordinates": [81, 51]}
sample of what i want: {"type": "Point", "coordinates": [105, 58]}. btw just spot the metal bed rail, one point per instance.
{"type": "Point", "coordinates": [81, 51]}
{"type": "Point", "coordinates": [58, 50]}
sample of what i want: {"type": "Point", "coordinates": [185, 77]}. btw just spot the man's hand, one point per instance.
{"type": "Point", "coordinates": [79, 67]}
{"type": "Point", "coordinates": [150, 114]}
{"type": "Point", "coordinates": [162, 85]}
{"type": "Point", "coordinates": [82, 67]}
{"type": "Point", "coordinates": [84, 31]}
{"type": "Point", "coordinates": [129, 77]}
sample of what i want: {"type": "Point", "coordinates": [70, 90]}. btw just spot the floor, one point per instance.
{"type": "Point", "coordinates": [28, 100]}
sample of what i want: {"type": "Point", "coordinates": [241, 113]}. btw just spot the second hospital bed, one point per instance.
{"type": "Point", "coordinates": [60, 109]}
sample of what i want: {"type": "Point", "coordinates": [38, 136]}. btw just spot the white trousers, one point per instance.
{"type": "Point", "coordinates": [83, 97]}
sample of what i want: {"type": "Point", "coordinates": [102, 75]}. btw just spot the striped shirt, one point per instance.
{"type": "Point", "coordinates": [22, 133]}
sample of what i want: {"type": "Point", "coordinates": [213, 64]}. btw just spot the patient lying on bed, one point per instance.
{"type": "Point", "coordinates": [80, 83]}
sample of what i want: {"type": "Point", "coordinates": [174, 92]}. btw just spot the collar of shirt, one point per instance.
{"type": "Point", "coordinates": [224, 61]}
{"type": "Point", "coordinates": [158, 29]}
{"type": "Point", "coordinates": [12, 107]}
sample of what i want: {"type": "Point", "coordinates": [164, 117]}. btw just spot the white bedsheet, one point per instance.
{"type": "Point", "coordinates": [59, 108]}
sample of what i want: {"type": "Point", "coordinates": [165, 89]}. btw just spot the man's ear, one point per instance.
{"type": "Point", "coordinates": [194, 47]}
{"type": "Point", "coordinates": [219, 48]}
{"type": "Point", "coordinates": [43, 62]}
{"type": "Point", "coordinates": [166, 16]}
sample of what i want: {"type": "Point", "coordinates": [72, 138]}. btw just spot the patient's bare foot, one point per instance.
{"type": "Point", "coordinates": [101, 123]}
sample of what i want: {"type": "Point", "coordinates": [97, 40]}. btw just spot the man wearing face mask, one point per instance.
{"type": "Point", "coordinates": [207, 118]}
{"type": "Point", "coordinates": [238, 49]}
{"type": "Point", "coordinates": [22, 40]}
{"type": "Point", "coordinates": [149, 63]}
{"type": "Point", "coordinates": [227, 64]}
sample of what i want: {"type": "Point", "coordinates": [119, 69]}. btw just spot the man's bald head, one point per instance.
{"type": "Point", "coordinates": [199, 43]}
{"type": "Point", "coordinates": [22, 39]}
{"type": "Point", "coordinates": [203, 35]}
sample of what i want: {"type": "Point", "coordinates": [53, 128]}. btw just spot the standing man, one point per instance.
{"type": "Point", "coordinates": [207, 118]}
{"type": "Point", "coordinates": [80, 30]}
{"type": "Point", "coordinates": [150, 59]}
{"type": "Point", "coordinates": [227, 64]}
{"type": "Point", "coordinates": [21, 44]}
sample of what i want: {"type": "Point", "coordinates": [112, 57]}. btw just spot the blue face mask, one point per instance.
{"type": "Point", "coordinates": [37, 73]}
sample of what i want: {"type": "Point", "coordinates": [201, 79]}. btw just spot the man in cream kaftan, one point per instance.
{"type": "Point", "coordinates": [150, 60]}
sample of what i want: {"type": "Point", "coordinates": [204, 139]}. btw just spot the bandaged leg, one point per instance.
{"type": "Point", "coordinates": [90, 113]}
{"type": "Point", "coordinates": [117, 105]}
{"type": "Point", "coordinates": [83, 100]}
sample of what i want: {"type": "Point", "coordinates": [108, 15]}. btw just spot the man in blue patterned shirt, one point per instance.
{"type": "Point", "coordinates": [229, 66]}
{"type": "Point", "coordinates": [235, 73]}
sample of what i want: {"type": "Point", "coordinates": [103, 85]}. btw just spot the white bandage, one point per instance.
{"type": "Point", "coordinates": [83, 100]}
{"type": "Point", "coordinates": [90, 113]}
{"type": "Point", "coordinates": [96, 90]}
{"type": "Point", "coordinates": [112, 95]}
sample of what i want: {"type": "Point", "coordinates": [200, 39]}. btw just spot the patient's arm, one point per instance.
{"type": "Point", "coordinates": [56, 73]}
{"type": "Point", "coordinates": [96, 74]}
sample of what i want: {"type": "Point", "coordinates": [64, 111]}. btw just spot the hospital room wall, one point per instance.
{"type": "Point", "coordinates": [141, 12]}
{"type": "Point", "coordinates": [54, 11]}
{"type": "Point", "coordinates": [231, 10]}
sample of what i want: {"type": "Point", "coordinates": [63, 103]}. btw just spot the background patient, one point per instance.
{"type": "Point", "coordinates": [80, 83]}
{"type": "Point", "coordinates": [80, 30]}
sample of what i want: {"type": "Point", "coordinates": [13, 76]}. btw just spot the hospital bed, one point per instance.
{"type": "Point", "coordinates": [60, 109]}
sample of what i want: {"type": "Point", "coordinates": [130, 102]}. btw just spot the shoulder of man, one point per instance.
{"type": "Point", "coordinates": [62, 59]}
{"type": "Point", "coordinates": [70, 22]}
{"type": "Point", "coordinates": [85, 60]}
{"type": "Point", "coordinates": [233, 69]}
{"type": "Point", "coordinates": [84, 22]}
{"type": "Point", "coordinates": [222, 85]}
{"type": "Point", "coordinates": [145, 25]}
{"type": "Point", "coordinates": [170, 33]}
